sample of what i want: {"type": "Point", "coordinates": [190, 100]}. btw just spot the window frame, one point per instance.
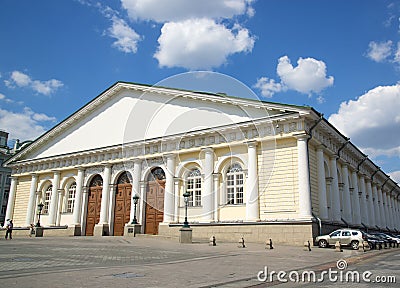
{"type": "Point", "coordinates": [235, 185]}
{"type": "Point", "coordinates": [193, 187]}
{"type": "Point", "coordinates": [46, 200]}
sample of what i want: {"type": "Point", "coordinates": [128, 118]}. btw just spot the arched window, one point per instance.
{"type": "Point", "coordinates": [46, 198]}
{"type": "Point", "coordinates": [234, 184]}
{"type": "Point", "coordinates": [194, 187]}
{"type": "Point", "coordinates": [71, 198]}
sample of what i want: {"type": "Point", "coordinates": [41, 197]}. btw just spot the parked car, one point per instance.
{"type": "Point", "coordinates": [386, 239]}
{"type": "Point", "coordinates": [346, 237]}
{"type": "Point", "coordinates": [374, 242]}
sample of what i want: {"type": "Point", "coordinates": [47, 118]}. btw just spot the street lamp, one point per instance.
{"type": "Point", "coordinates": [40, 206]}
{"type": "Point", "coordinates": [186, 196]}
{"type": "Point", "coordinates": [135, 201]}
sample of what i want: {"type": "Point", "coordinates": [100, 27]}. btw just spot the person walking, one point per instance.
{"type": "Point", "coordinates": [9, 228]}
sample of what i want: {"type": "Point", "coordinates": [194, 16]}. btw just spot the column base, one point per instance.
{"type": "Point", "coordinates": [75, 230]}
{"type": "Point", "coordinates": [39, 232]}
{"type": "Point", "coordinates": [130, 230]}
{"type": "Point", "coordinates": [101, 230]}
{"type": "Point", "coordinates": [185, 235]}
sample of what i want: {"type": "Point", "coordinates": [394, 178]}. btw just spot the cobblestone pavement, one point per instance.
{"type": "Point", "coordinates": [149, 262]}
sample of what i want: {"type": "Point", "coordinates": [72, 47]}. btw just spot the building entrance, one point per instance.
{"type": "Point", "coordinates": [155, 200]}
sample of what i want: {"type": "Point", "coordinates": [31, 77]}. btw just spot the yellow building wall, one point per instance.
{"type": "Point", "coordinates": [313, 179]}
{"type": "Point", "coordinates": [21, 201]}
{"type": "Point", "coordinates": [278, 179]}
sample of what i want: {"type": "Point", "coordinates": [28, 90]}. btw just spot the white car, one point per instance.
{"type": "Point", "coordinates": [346, 237]}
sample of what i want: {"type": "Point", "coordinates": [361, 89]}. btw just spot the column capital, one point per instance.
{"type": "Point", "coordinates": [251, 143]}
{"type": "Point", "coordinates": [208, 150]}
{"type": "Point", "coordinates": [80, 168]}
{"type": "Point", "coordinates": [106, 164]}
{"type": "Point", "coordinates": [56, 172]}
{"type": "Point", "coordinates": [301, 136]}
{"type": "Point", "coordinates": [171, 155]}
{"type": "Point", "coordinates": [321, 147]}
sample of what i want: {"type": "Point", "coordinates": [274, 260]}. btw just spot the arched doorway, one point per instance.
{"type": "Point", "coordinates": [94, 204]}
{"type": "Point", "coordinates": [122, 209]}
{"type": "Point", "coordinates": [154, 200]}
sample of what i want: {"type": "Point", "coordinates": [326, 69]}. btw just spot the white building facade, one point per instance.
{"type": "Point", "coordinates": [255, 169]}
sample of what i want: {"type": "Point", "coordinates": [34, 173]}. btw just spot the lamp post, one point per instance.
{"type": "Point", "coordinates": [135, 201]}
{"type": "Point", "coordinates": [186, 196]}
{"type": "Point", "coordinates": [40, 206]}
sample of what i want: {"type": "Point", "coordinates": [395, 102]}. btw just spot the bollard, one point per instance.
{"type": "Point", "coordinates": [338, 247]}
{"type": "Point", "coordinates": [270, 244]}
{"type": "Point", "coordinates": [213, 241]}
{"type": "Point", "coordinates": [307, 246]}
{"type": "Point", "coordinates": [241, 243]}
{"type": "Point", "coordinates": [398, 244]}
{"type": "Point", "coordinates": [365, 246]}
{"type": "Point", "coordinates": [380, 246]}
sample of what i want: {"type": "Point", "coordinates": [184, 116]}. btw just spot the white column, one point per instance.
{"type": "Point", "coordinates": [382, 214]}
{"type": "Point", "coordinates": [111, 203]}
{"type": "Point", "coordinates": [60, 206]}
{"type": "Point", "coordinates": [216, 196]}
{"type": "Point", "coordinates": [335, 196]}
{"type": "Point", "coordinates": [390, 205]}
{"type": "Point", "coordinates": [169, 195]}
{"type": "Point", "coordinates": [322, 198]}
{"type": "Point", "coordinates": [398, 212]}
{"type": "Point", "coordinates": [346, 195]}
{"type": "Point", "coordinates": [30, 213]}
{"type": "Point", "coordinates": [385, 209]}
{"type": "Point", "coordinates": [252, 208]}
{"type": "Point", "coordinates": [137, 173]}
{"type": "Point", "coordinates": [105, 195]}
{"type": "Point", "coordinates": [142, 202]}
{"type": "Point", "coordinates": [371, 211]}
{"type": "Point", "coordinates": [176, 189]}
{"type": "Point", "coordinates": [207, 190]}
{"type": "Point", "coordinates": [11, 198]}
{"type": "Point", "coordinates": [78, 197]}
{"type": "Point", "coordinates": [375, 202]}
{"type": "Point", "coordinates": [363, 201]}
{"type": "Point", "coordinates": [356, 200]}
{"type": "Point", "coordinates": [53, 199]}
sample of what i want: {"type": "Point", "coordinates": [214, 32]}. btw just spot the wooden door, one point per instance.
{"type": "Point", "coordinates": [93, 209]}
{"type": "Point", "coordinates": [154, 206]}
{"type": "Point", "coordinates": [122, 209]}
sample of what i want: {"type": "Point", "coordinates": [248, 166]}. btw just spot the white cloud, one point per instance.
{"type": "Point", "coordinates": [397, 54]}
{"type": "Point", "coordinates": [269, 87]}
{"type": "Point", "coordinates": [20, 79]}
{"type": "Point", "coordinates": [372, 121]}
{"type": "Point", "coordinates": [200, 43]}
{"type": "Point", "coordinates": [309, 75]}
{"type": "Point", "coordinates": [5, 99]}
{"type": "Point", "coordinates": [179, 10]}
{"type": "Point", "coordinates": [379, 52]}
{"type": "Point", "coordinates": [24, 126]}
{"type": "Point", "coordinates": [127, 38]}
{"type": "Point", "coordinates": [395, 175]}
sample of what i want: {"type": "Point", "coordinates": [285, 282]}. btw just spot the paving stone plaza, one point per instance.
{"type": "Point", "coordinates": [147, 261]}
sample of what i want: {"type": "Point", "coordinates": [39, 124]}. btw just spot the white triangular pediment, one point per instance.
{"type": "Point", "coordinates": [127, 113]}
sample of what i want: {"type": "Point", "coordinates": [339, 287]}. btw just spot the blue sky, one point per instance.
{"type": "Point", "coordinates": [341, 57]}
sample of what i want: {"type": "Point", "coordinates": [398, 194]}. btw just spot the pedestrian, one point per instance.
{"type": "Point", "coordinates": [32, 231]}
{"type": "Point", "coordinates": [9, 228]}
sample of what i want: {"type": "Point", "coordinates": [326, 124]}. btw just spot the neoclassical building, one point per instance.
{"type": "Point", "coordinates": [255, 169]}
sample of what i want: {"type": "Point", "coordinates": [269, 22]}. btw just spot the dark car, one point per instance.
{"type": "Point", "coordinates": [374, 242]}
{"type": "Point", "coordinates": [385, 238]}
